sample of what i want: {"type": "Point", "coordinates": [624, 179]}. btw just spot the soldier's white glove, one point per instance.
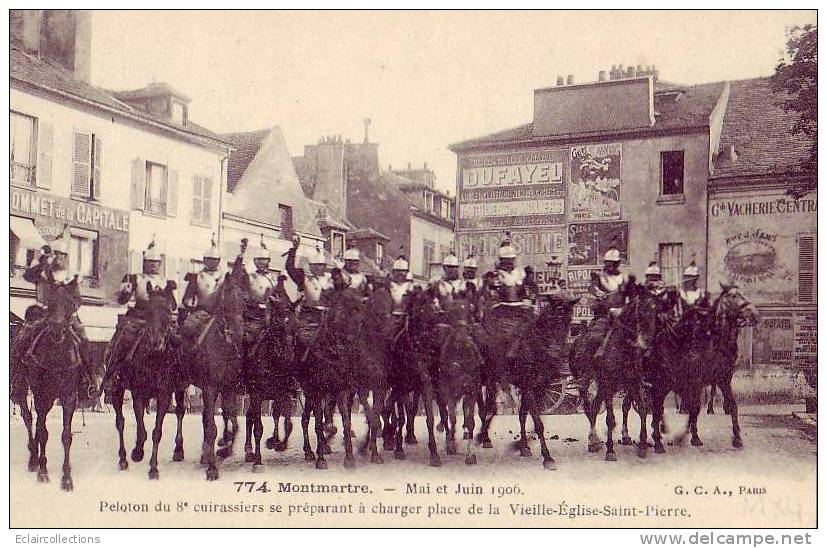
{"type": "Point", "coordinates": [615, 311]}
{"type": "Point", "coordinates": [126, 287]}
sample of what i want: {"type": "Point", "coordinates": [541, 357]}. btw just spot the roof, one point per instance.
{"type": "Point", "coordinates": [326, 218]}
{"type": "Point", "coordinates": [154, 89]}
{"type": "Point", "coordinates": [690, 110]}
{"type": "Point", "coordinates": [307, 181]}
{"type": "Point", "coordinates": [247, 145]}
{"type": "Point", "coordinates": [760, 128]}
{"type": "Point", "coordinates": [50, 76]}
{"type": "Point", "coordinates": [365, 233]}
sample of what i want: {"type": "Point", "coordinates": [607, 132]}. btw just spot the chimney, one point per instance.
{"type": "Point", "coordinates": [409, 166]}
{"type": "Point", "coordinates": [560, 81]}
{"type": "Point", "coordinates": [390, 167]}
{"type": "Point", "coordinates": [425, 166]}
{"type": "Point", "coordinates": [639, 71]}
{"type": "Point", "coordinates": [66, 37]}
{"type": "Point", "coordinates": [630, 71]}
{"type": "Point", "coordinates": [570, 79]}
{"type": "Point", "coordinates": [601, 76]}
{"type": "Point", "coordinates": [24, 26]}
{"type": "Point", "coordinates": [367, 123]}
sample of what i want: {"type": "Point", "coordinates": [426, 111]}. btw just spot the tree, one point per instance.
{"type": "Point", "coordinates": [797, 75]}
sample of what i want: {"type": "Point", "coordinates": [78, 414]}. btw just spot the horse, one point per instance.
{"type": "Point", "coordinates": [18, 382]}
{"type": "Point", "coordinates": [54, 371]}
{"type": "Point", "coordinates": [460, 375]}
{"type": "Point", "coordinates": [704, 346]}
{"type": "Point", "coordinates": [269, 372]}
{"type": "Point", "coordinates": [146, 362]}
{"type": "Point", "coordinates": [534, 366]}
{"type": "Point", "coordinates": [279, 408]}
{"type": "Point", "coordinates": [212, 353]}
{"type": "Point", "coordinates": [326, 371]}
{"type": "Point", "coordinates": [616, 364]}
{"type": "Point", "coordinates": [374, 348]}
{"type": "Point", "coordinates": [415, 367]}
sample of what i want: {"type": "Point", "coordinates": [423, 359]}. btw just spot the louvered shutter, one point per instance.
{"type": "Point", "coordinates": [138, 184]}
{"type": "Point", "coordinates": [807, 268]}
{"type": "Point", "coordinates": [45, 138]}
{"type": "Point", "coordinates": [172, 193]}
{"type": "Point", "coordinates": [206, 200]}
{"type": "Point", "coordinates": [97, 162]}
{"type": "Point", "coordinates": [196, 198]}
{"type": "Point", "coordinates": [81, 162]}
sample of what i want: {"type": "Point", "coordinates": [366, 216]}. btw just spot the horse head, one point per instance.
{"type": "Point", "coordinates": [733, 309]}
{"type": "Point", "coordinates": [421, 311]}
{"type": "Point", "coordinates": [64, 302]}
{"type": "Point", "coordinates": [230, 304]}
{"type": "Point", "coordinates": [345, 315]}
{"type": "Point", "coordinates": [159, 315]}
{"type": "Point", "coordinates": [639, 316]}
{"type": "Point", "coordinates": [554, 319]}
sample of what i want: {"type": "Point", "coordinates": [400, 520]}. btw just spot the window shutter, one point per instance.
{"type": "Point", "coordinates": [807, 268]}
{"type": "Point", "coordinates": [81, 159]}
{"type": "Point", "coordinates": [43, 179]}
{"type": "Point", "coordinates": [196, 197]}
{"type": "Point", "coordinates": [97, 160]}
{"type": "Point", "coordinates": [172, 193]}
{"type": "Point", "coordinates": [135, 260]}
{"type": "Point", "coordinates": [138, 184]}
{"type": "Point", "coordinates": [206, 200]}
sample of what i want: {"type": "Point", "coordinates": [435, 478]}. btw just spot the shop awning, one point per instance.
{"type": "Point", "coordinates": [26, 232]}
{"type": "Point", "coordinates": [99, 321]}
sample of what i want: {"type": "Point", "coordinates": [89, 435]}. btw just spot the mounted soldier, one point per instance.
{"type": "Point", "coordinates": [470, 272]}
{"type": "Point", "coordinates": [200, 291]}
{"type": "Point", "coordinates": [353, 277]}
{"type": "Point", "coordinates": [607, 289]}
{"type": "Point", "coordinates": [690, 293]}
{"type": "Point", "coordinates": [262, 283]}
{"type": "Point", "coordinates": [654, 284]}
{"type": "Point", "coordinates": [47, 272]}
{"type": "Point", "coordinates": [313, 287]}
{"type": "Point", "coordinates": [400, 285]}
{"type": "Point", "coordinates": [512, 285]}
{"type": "Point", "coordinates": [447, 286]}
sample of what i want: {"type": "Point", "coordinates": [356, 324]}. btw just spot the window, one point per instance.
{"type": "Point", "coordinates": [671, 171]}
{"type": "Point", "coordinates": [201, 200]}
{"type": "Point", "coordinates": [86, 164]}
{"type": "Point", "coordinates": [807, 266]}
{"type": "Point", "coordinates": [671, 263]}
{"type": "Point", "coordinates": [428, 249]}
{"type": "Point", "coordinates": [83, 253]}
{"type": "Point", "coordinates": [156, 189]}
{"type": "Point", "coordinates": [22, 149]}
{"type": "Point", "coordinates": [380, 254]}
{"type": "Point", "coordinates": [286, 221]}
{"type": "Point", "coordinates": [429, 202]}
{"type": "Point", "coordinates": [337, 244]}
{"type": "Point", "coordinates": [179, 112]}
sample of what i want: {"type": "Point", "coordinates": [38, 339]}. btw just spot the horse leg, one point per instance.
{"type": "Point", "coordinates": [258, 429]}
{"type": "Point", "coordinates": [306, 410]}
{"type": "Point", "coordinates": [286, 412]}
{"type": "Point", "coordinates": [68, 405]}
{"type": "Point", "coordinates": [209, 395]}
{"type": "Point", "coordinates": [162, 403]}
{"type": "Point", "coordinates": [399, 452]}
{"type": "Point", "coordinates": [42, 408]}
{"type": "Point", "coordinates": [249, 420]}
{"type": "Point", "coordinates": [539, 429]}
{"type": "Point", "coordinates": [368, 408]}
{"type": "Point", "coordinates": [329, 413]}
{"type": "Point", "coordinates": [117, 403]}
{"type": "Point", "coordinates": [139, 407]}
{"type": "Point", "coordinates": [592, 408]}
{"type": "Point", "coordinates": [624, 431]}
{"type": "Point", "coordinates": [180, 409]}
{"type": "Point", "coordinates": [610, 426]}
{"type": "Point", "coordinates": [429, 420]}
{"type": "Point", "coordinates": [469, 401]}
{"type": "Point", "coordinates": [643, 411]}
{"type": "Point", "coordinates": [379, 396]}
{"type": "Point", "coordinates": [732, 406]}
{"type": "Point", "coordinates": [658, 399]}
{"type": "Point", "coordinates": [230, 409]}
{"type": "Point", "coordinates": [490, 410]}
{"type": "Point", "coordinates": [411, 409]}
{"type": "Point", "coordinates": [710, 404]}
{"type": "Point", "coordinates": [26, 414]}
{"type": "Point", "coordinates": [318, 416]}
{"type": "Point", "coordinates": [525, 450]}
{"type": "Point", "coordinates": [389, 419]}
{"type": "Point", "coordinates": [694, 411]}
{"type": "Point", "coordinates": [275, 413]}
{"type": "Point", "coordinates": [345, 410]}
{"type": "Point", "coordinates": [448, 412]}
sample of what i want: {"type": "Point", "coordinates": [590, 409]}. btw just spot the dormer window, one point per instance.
{"type": "Point", "coordinates": [179, 112]}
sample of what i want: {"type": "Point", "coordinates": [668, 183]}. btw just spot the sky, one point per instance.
{"type": "Point", "coordinates": [425, 79]}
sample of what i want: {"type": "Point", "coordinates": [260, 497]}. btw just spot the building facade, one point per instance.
{"type": "Point", "coordinates": [620, 162]}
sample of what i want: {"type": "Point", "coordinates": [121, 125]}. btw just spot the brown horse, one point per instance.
{"type": "Point", "coordinates": [212, 353]}
{"type": "Point", "coordinates": [54, 371]}
{"type": "Point", "coordinates": [147, 364]}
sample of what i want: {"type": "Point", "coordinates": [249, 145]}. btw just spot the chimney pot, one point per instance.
{"type": "Point", "coordinates": [425, 166]}
{"type": "Point", "coordinates": [630, 71]}
{"type": "Point", "coordinates": [601, 76]}
{"type": "Point", "coordinates": [639, 70]}
{"type": "Point", "coordinates": [409, 166]}
{"type": "Point", "coordinates": [560, 81]}
{"type": "Point", "coordinates": [390, 167]}
{"type": "Point", "coordinates": [570, 79]}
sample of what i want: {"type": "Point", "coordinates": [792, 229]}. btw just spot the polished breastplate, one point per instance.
{"type": "Point", "coordinates": [155, 281]}
{"type": "Point", "coordinates": [206, 284]}
{"type": "Point", "coordinates": [260, 284]}
{"type": "Point", "coordinates": [314, 286]}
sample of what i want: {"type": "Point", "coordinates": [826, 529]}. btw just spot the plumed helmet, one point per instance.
{"type": "Point", "coordinates": [400, 263]}
{"type": "Point", "coordinates": [61, 243]}
{"type": "Point", "coordinates": [262, 252]}
{"type": "Point", "coordinates": [470, 262]}
{"type": "Point", "coordinates": [152, 253]}
{"type": "Point", "coordinates": [409, 276]}
{"type": "Point", "coordinates": [612, 255]}
{"type": "Point", "coordinates": [352, 254]}
{"type": "Point", "coordinates": [507, 250]}
{"type": "Point", "coordinates": [450, 260]}
{"type": "Point", "coordinates": [653, 269]}
{"type": "Point", "coordinates": [691, 271]}
{"type": "Point", "coordinates": [317, 257]}
{"type": "Point", "coordinates": [212, 252]}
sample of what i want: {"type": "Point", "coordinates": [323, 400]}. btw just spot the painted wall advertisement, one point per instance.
{"type": "Point", "coordinates": [588, 242]}
{"type": "Point", "coordinates": [594, 190]}
{"type": "Point", "coordinates": [578, 281]}
{"type": "Point", "coordinates": [786, 338]}
{"type": "Point", "coordinates": [516, 190]}
{"type": "Point", "coordinates": [753, 242]}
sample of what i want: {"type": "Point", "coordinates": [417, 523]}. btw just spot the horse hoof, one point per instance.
{"type": "Point", "coordinates": [525, 451]}
{"type": "Point", "coordinates": [309, 456]}
{"type": "Point", "coordinates": [641, 452]}
{"type": "Point", "coordinates": [32, 466]}
{"type": "Point", "coordinates": [270, 443]}
{"type": "Point", "coordinates": [611, 457]}
{"type": "Point", "coordinates": [487, 444]}
{"type": "Point", "coordinates": [626, 440]}
{"type": "Point", "coordinates": [224, 452]}
{"type": "Point", "coordinates": [549, 464]}
{"type": "Point", "coordinates": [737, 443]}
{"type": "Point", "coordinates": [326, 450]}
{"type": "Point", "coordinates": [388, 445]}
{"type": "Point", "coordinates": [594, 447]}
{"type": "Point", "coordinates": [321, 464]}
{"type": "Point", "coordinates": [212, 474]}
{"type": "Point", "coordinates": [222, 442]}
{"type": "Point", "coordinates": [440, 427]}
{"type": "Point", "coordinates": [697, 442]}
{"type": "Point", "coordinates": [43, 477]}
{"type": "Point", "coordinates": [451, 448]}
{"type": "Point", "coordinates": [399, 455]}
{"type": "Point", "coordinates": [363, 450]}
{"type": "Point", "coordinates": [137, 455]}
{"type": "Point", "coordinates": [470, 459]}
{"type": "Point", "coordinates": [66, 483]}
{"type": "Point", "coordinates": [435, 461]}
{"type": "Point", "coordinates": [376, 458]}
{"type": "Point", "coordinates": [153, 474]}
{"type": "Point", "coordinates": [281, 445]}
{"type": "Point", "coordinates": [410, 439]}
{"type": "Point", "coordinates": [258, 467]}
{"type": "Point", "coordinates": [178, 456]}
{"type": "Point", "coordinates": [659, 449]}
{"type": "Point", "coordinates": [350, 462]}
{"type": "Point", "coordinates": [249, 457]}
{"type": "Point", "coordinates": [330, 430]}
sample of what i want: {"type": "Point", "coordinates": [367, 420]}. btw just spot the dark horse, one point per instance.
{"type": "Point", "coordinates": [535, 368]}
{"type": "Point", "coordinates": [326, 372]}
{"type": "Point", "coordinates": [702, 349]}
{"type": "Point", "coordinates": [147, 364]}
{"type": "Point", "coordinates": [269, 372]}
{"type": "Point", "coordinates": [212, 353]}
{"type": "Point", "coordinates": [54, 371]}
{"type": "Point", "coordinates": [415, 368]}
{"type": "Point", "coordinates": [616, 364]}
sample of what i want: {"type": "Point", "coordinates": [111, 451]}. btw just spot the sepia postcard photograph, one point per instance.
{"type": "Point", "coordinates": [413, 269]}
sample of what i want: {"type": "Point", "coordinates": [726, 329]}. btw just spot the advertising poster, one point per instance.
{"type": "Point", "coordinates": [578, 281]}
{"type": "Point", "coordinates": [588, 242]}
{"type": "Point", "coordinates": [773, 339]}
{"type": "Point", "coordinates": [594, 190]}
